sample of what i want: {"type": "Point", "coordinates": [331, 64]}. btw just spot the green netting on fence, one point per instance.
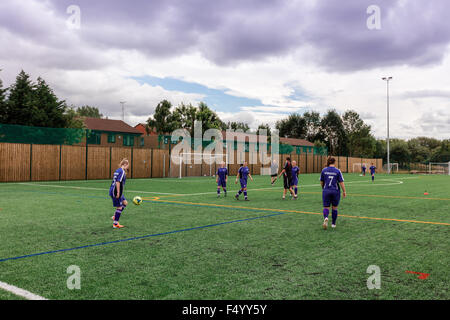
{"type": "Point", "coordinates": [283, 148]}
{"type": "Point", "coordinates": [39, 135]}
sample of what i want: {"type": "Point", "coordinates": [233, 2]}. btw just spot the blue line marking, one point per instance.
{"type": "Point", "coordinates": [141, 237]}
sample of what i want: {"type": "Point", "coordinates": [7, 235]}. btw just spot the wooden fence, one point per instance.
{"type": "Point", "coordinates": [30, 162]}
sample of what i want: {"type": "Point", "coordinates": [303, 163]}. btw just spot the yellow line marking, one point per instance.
{"type": "Point", "coordinates": [384, 196]}
{"type": "Point", "coordinates": [292, 211]}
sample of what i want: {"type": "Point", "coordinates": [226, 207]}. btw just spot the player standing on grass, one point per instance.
{"type": "Point", "coordinates": [372, 171]}
{"type": "Point", "coordinates": [221, 180]}
{"type": "Point", "coordinates": [332, 181]}
{"type": "Point", "coordinates": [363, 168]}
{"type": "Point", "coordinates": [287, 177]}
{"type": "Point", "coordinates": [273, 171]}
{"type": "Point", "coordinates": [116, 192]}
{"type": "Point", "coordinates": [243, 174]}
{"type": "Point", "coordinates": [295, 172]}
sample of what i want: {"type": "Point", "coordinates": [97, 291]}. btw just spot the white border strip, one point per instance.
{"type": "Point", "coordinates": [20, 292]}
{"type": "Point", "coordinates": [361, 183]}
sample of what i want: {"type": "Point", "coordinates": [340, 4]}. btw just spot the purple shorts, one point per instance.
{"type": "Point", "coordinates": [331, 197]}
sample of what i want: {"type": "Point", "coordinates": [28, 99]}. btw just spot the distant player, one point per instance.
{"type": "Point", "coordinates": [287, 177]}
{"type": "Point", "coordinates": [273, 171]}
{"type": "Point", "coordinates": [221, 179]}
{"type": "Point", "coordinates": [372, 171]}
{"type": "Point", "coordinates": [295, 173]}
{"type": "Point", "coordinates": [363, 168]}
{"type": "Point", "coordinates": [116, 192]}
{"type": "Point", "coordinates": [332, 181]}
{"type": "Point", "coordinates": [243, 174]}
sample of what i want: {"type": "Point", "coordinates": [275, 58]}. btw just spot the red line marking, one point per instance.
{"type": "Point", "coordinates": [421, 274]}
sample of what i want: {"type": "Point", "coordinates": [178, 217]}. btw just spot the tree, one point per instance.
{"type": "Point", "coordinates": [2, 102]}
{"type": "Point", "coordinates": [48, 110]}
{"type": "Point", "coordinates": [334, 133]}
{"type": "Point", "coordinates": [399, 152]}
{"type": "Point", "coordinates": [442, 153]}
{"type": "Point", "coordinates": [186, 115]}
{"type": "Point", "coordinates": [163, 120]}
{"type": "Point", "coordinates": [312, 121]}
{"type": "Point", "coordinates": [265, 127]}
{"type": "Point", "coordinates": [292, 127]}
{"type": "Point", "coordinates": [88, 111]}
{"type": "Point", "coordinates": [359, 141]}
{"type": "Point", "coordinates": [238, 126]}
{"type": "Point", "coordinates": [209, 119]}
{"type": "Point", "coordinates": [19, 107]}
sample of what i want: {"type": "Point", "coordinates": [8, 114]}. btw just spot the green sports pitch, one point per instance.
{"type": "Point", "coordinates": [183, 242]}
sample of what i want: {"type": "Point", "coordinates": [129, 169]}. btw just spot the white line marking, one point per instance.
{"type": "Point", "coordinates": [87, 188]}
{"type": "Point", "coordinates": [363, 183]}
{"type": "Point", "coordinates": [20, 292]}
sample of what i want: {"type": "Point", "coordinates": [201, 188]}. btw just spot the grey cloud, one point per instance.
{"type": "Point", "coordinates": [426, 94]}
{"type": "Point", "coordinates": [333, 33]}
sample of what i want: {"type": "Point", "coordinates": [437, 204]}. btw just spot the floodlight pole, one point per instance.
{"type": "Point", "coordinates": [123, 109]}
{"type": "Point", "coordinates": [387, 79]}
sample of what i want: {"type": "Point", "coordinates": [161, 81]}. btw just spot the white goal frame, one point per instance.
{"type": "Point", "coordinates": [202, 155]}
{"type": "Point", "coordinates": [392, 165]}
{"type": "Point", "coordinates": [445, 166]}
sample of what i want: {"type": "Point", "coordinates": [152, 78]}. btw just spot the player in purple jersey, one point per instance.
{"type": "Point", "coordinates": [332, 181]}
{"type": "Point", "coordinates": [363, 168]}
{"type": "Point", "coordinates": [243, 174]}
{"type": "Point", "coordinates": [221, 179]}
{"type": "Point", "coordinates": [372, 171]}
{"type": "Point", "coordinates": [295, 173]}
{"type": "Point", "coordinates": [116, 192]}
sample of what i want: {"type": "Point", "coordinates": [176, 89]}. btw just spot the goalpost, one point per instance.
{"type": "Point", "coordinates": [439, 168]}
{"type": "Point", "coordinates": [393, 167]}
{"type": "Point", "coordinates": [211, 160]}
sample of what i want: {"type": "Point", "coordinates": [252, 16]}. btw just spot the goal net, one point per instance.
{"type": "Point", "coordinates": [439, 168]}
{"type": "Point", "coordinates": [393, 167]}
{"type": "Point", "coordinates": [197, 164]}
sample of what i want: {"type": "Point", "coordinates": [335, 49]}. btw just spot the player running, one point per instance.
{"type": "Point", "coordinates": [273, 171]}
{"type": "Point", "coordinates": [287, 177]}
{"type": "Point", "coordinates": [116, 192]}
{"type": "Point", "coordinates": [372, 171]}
{"type": "Point", "coordinates": [243, 174]}
{"type": "Point", "coordinates": [363, 168]}
{"type": "Point", "coordinates": [295, 173]}
{"type": "Point", "coordinates": [332, 181]}
{"type": "Point", "coordinates": [221, 179]}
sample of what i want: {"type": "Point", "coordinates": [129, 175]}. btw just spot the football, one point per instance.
{"type": "Point", "coordinates": [137, 200]}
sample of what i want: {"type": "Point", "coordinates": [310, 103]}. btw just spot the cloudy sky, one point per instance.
{"type": "Point", "coordinates": [250, 60]}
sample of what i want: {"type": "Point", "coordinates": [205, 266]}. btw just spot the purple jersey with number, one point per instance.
{"type": "Point", "coordinates": [119, 176]}
{"type": "Point", "coordinates": [372, 169]}
{"type": "Point", "coordinates": [331, 177]}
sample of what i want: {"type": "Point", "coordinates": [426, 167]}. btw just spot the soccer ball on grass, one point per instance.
{"type": "Point", "coordinates": [137, 200]}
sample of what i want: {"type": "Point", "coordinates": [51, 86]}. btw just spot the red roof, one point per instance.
{"type": "Point", "coordinates": [109, 125]}
{"type": "Point", "coordinates": [296, 142]}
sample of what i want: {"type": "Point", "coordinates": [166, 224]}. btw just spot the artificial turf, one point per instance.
{"type": "Point", "coordinates": [185, 243]}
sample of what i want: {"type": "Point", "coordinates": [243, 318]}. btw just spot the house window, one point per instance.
{"type": "Point", "coordinates": [128, 141]}
{"type": "Point", "coordinates": [142, 142]}
{"type": "Point", "coordinates": [94, 137]}
{"type": "Point", "coordinates": [111, 138]}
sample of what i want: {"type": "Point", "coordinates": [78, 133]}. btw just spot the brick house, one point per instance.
{"type": "Point", "coordinates": [112, 133]}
